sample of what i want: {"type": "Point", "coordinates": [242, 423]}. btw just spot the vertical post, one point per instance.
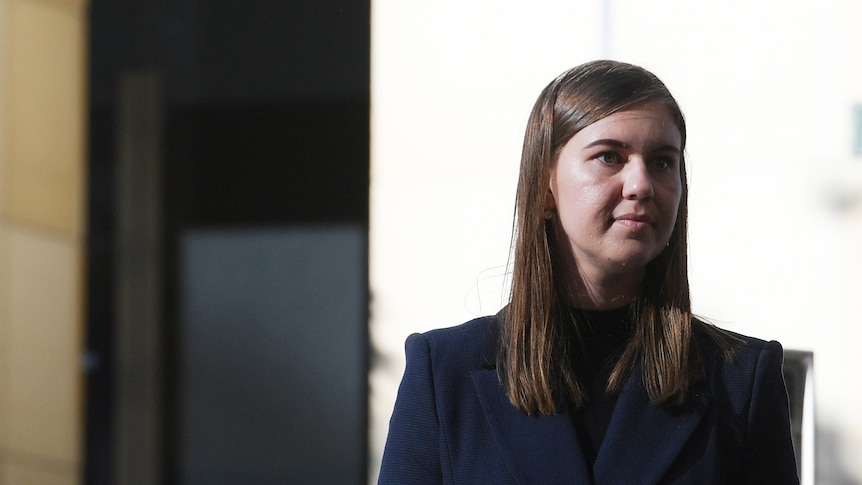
{"type": "Point", "coordinates": [139, 281]}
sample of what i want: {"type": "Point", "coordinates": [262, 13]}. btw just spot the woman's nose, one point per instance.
{"type": "Point", "coordinates": [637, 181]}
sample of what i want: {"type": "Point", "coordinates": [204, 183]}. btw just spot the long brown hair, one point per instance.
{"type": "Point", "coordinates": [534, 357]}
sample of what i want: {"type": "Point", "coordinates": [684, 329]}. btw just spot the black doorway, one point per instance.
{"type": "Point", "coordinates": [259, 190]}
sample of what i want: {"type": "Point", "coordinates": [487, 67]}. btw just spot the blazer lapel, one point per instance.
{"type": "Point", "coordinates": [643, 440]}
{"type": "Point", "coordinates": [537, 449]}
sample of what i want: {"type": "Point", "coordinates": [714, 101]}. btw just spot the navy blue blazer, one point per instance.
{"type": "Point", "coordinates": [453, 423]}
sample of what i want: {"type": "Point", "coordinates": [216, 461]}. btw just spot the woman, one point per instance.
{"type": "Point", "coordinates": [596, 371]}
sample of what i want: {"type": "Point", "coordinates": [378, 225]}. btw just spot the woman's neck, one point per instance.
{"type": "Point", "coordinates": [603, 291]}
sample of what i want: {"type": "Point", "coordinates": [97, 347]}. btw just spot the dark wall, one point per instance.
{"type": "Point", "coordinates": [265, 128]}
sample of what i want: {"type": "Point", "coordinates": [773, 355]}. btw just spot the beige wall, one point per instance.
{"type": "Point", "coordinates": [42, 174]}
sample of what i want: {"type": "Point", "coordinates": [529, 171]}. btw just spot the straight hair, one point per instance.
{"type": "Point", "coordinates": [534, 361]}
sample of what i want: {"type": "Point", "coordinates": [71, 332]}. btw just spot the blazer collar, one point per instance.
{"type": "Point", "coordinates": [640, 444]}
{"type": "Point", "coordinates": [536, 449]}
{"type": "Point", "coordinates": [643, 439]}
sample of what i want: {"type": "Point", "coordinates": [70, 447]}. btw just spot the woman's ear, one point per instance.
{"type": "Point", "coordinates": [550, 203]}
{"type": "Point", "coordinates": [550, 200]}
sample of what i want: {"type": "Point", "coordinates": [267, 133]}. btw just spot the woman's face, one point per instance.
{"type": "Point", "coordinates": [616, 187]}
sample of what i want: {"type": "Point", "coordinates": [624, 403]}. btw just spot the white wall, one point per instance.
{"type": "Point", "coordinates": [768, 89]}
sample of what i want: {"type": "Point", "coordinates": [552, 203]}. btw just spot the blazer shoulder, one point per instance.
{"type": "Point", "coordinates": [714, 341]}
{"type": "Point", "coordinates": [460, 347]}
{"type": "Point", "coordinates": [738, 366]}
{"type": "Point", "coordinates": [477, 328]}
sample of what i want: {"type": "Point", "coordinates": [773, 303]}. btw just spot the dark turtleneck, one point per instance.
{"type": "Point", "coordinates": [604, 335]}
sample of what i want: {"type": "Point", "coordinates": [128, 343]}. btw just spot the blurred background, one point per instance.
{"type": "Point", "coordinates": [220, 220]}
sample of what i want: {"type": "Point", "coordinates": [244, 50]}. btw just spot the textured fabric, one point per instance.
{"type": "Point", "coordinates": [453, 424]}
{"type": "Point", "coordinates": [607, 333]}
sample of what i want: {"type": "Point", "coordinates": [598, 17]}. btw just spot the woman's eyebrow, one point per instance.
{"type": "Point", "coordinates": [619, 144]}
{"type": "Point", "coordinates": [607, 141]}
{"type": "Point", "coordinates": [666, 148]}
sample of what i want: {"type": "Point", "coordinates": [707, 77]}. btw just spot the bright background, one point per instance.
{"type": "Point", "coordinates": [771, 91]}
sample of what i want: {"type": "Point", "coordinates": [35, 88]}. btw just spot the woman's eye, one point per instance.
{"type": "Point", "coordinates": [607, 157]}
{"type": "Point", "coordinates": [663, 163]}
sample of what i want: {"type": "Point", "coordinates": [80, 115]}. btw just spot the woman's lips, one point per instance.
{"type": "Point", "coordinates": [635, 222]}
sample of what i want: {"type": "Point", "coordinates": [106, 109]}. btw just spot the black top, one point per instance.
{"type": "Point", "coordinates": [604, 334]}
